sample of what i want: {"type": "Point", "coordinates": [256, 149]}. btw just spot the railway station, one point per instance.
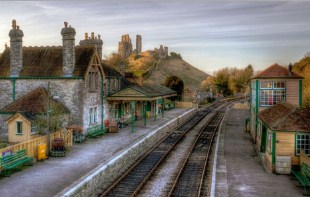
{"type": "Point", "coordinates": [73, 126]}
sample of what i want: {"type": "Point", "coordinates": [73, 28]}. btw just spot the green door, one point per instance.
{"type": "Point", "coordinates": [264, 139]}
{"type": "Point", "coordinates": [119, 110]}
{"type": "Point", "coordinates": [148, 106]}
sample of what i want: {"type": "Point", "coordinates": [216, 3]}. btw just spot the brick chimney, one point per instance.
{"type": "Point", "coordinates": [16, 49]}
{"type": "Point", "coordinates": [68, 50]}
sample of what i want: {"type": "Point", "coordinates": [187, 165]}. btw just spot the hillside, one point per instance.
{"type": "Point", "coordinates": [152, 71]}
{"type": "Point", "coordinates": [190, 75]}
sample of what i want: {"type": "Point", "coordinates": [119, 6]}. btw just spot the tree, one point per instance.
{"type": "Point", "coordinates": [114, 60]}
{"type": "Point", "coordinates": [221, 81]}
{"type": "Point", "coordinates": [175, 83]}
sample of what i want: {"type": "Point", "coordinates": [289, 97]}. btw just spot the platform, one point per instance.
{"type": "Point", "coordinates": [54, 175]}
{"type": "Point", "coordinates": [239, 172]}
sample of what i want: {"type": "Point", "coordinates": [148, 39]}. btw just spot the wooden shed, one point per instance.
{"type": "Point", "coordinates": [283, 133]}
{"type": "Point", "coordinates": [20, 128]}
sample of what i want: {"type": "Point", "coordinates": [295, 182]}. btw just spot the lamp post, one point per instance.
{"type": "Point", "coordinates": [48, 120]}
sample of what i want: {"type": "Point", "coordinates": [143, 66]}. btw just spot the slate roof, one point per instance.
{"type": "Point", "coordinates": [276, 71]}
{"type": "Point", "coordinates": [147, 91]}
{"type": "Point", "coordinates": [34, 102]}
{"type": "Point", "coordinates": [153, 91]}
{"type": "Point", "coordinates": [284, 116]}
{"type": "Point", "coordinates": [111, 72]}
{"type": "Point", "coordinates": [47, 61]}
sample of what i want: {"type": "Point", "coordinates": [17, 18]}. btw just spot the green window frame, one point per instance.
{"type": "Point", "coordinates": [19, 127]}
{"type": "Point", "coordinates": [302, 143]}
{"type": "Point", "coordinates": [272, 92]}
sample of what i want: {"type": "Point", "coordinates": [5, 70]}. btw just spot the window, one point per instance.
{"type": "Point", "coordinates": [34, 129]}
{"type": "Point", "coordinates": [303, 143]}
{"type": "Point", "coordinates": [92, 115]}
{"type": "Point", "coordinates": [272, 92]}
{"type": "Point", "coordinates": [93, 81]}
{"type": "Point", "coordinates": [269, 142]}
{"type": "Point", "coordinates": [19, 127]}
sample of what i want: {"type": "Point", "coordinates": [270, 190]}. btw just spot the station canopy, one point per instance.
{"type": "Point", "coordinates": [142, 93]}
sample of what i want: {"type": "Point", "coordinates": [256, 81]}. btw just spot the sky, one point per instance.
{"type": "Point", "coordinates": [210, 35]}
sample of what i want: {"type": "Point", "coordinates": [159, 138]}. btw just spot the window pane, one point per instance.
{"type": "Point", "coordinates": [266, 84]}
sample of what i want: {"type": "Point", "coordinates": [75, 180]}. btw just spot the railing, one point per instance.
{"type": "Point", "coordinates": [304, 158]}
{"type": "Point", "coordinates": [31, 146]}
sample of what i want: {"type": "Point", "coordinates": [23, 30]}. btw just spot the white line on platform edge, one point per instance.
{"type": "Point", "coordinates": [213, 183]}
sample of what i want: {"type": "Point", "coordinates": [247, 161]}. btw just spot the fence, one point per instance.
{"type": "Point", "coordinates": [31, 146]}
{"type": "Point", "coordinates": [304, 158]}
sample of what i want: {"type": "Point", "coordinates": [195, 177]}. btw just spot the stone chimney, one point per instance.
{"type": "Point", "coordinates": [68, 50]}
{"type": "Point", "coordinates": [93, 41]}
{"type": "Point", "coordinates": [16, 50]}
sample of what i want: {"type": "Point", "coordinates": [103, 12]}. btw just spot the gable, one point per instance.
{"type": "Point", "coordinates": [128, 92]}
{"type": "Point", "coordinates": [18, 117]}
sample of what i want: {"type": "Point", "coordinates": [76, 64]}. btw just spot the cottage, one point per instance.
{"type": "Point", "coordinates": [74, 73]}
{"type": "Point", "coordinates": [29, 115]}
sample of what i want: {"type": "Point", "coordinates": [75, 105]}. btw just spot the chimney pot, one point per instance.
{"type": "Point", "coordinates": [17, 27]}
{"type": "Point", "coordinates": [86, 36]}
{"type": "Point", "coordinates": [66, 24]}
{"type": "Point", "coordinates": [92, 35]}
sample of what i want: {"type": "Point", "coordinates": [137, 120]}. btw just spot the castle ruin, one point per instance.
{"type": "Point", "coordinates": [125, 46]}
{"type": "Point", "coordinates": [138, 44]}
{"type": "Point", "coordinates": [162, 52]}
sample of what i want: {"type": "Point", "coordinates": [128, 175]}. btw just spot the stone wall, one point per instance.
{"type": "Point", "coordinates": [283, 164]}
{"type": "Point", "coordinates": [106, 174]}
{"type": "Point", "coordinates": [69, 92]}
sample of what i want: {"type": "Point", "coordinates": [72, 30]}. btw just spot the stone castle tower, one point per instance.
{"type": "Point", "coordinates": [138, 44]}
{"type": "Point", "coordinates": [162, 52]}
{"type": "Point", "coordinates": [68, 41]}
{"type": "Point", "coordinates": [125, 46]}
{"type": "Point", "coordinates": [93, 41]}
{"type": "Point", "coordinates": [16, 50]}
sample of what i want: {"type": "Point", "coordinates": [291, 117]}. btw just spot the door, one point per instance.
{"type": "Point", "coordinates": [264, 139]}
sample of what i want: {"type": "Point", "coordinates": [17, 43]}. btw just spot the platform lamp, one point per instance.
{"type": "Point", "coordinates": [49, 110]}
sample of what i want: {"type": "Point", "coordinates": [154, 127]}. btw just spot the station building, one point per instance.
{"type": "Point", "coordinates": [279, 125]}
{"type": "Point", "coordinates": [75, 74]}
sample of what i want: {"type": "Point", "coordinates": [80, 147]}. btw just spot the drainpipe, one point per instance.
{"type": "Point", "coordinates": [13, 88]}
{"type": "Point", "coordinates": [102, 104]}
{"type": "Point", "coordinates": [132, 116]}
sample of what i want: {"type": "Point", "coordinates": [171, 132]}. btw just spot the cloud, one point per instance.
{"type": "Point", "coordinates": [210, 29]}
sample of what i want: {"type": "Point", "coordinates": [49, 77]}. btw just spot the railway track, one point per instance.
{"type": "Point", "coordinates": [190, 180]}
{"type": "Point", "coordinates": [134, 179]}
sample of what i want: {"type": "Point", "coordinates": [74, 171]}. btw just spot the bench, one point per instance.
{"type": "Point", "coordinates": [14, 162]}
{"type": "Point", "coordinates": [95, 131]}
{"type": "Point", "coordinates": [303, 177]}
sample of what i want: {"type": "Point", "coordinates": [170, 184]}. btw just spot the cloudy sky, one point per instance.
{"type": "Point", "coordinates": [209, 34]}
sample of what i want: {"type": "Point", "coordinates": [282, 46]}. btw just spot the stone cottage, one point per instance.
{"type": "Point", "coordinates": [74, 73]}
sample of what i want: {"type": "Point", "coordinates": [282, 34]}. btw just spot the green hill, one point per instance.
{"type": "Point", "coordinates": [190, 75]}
